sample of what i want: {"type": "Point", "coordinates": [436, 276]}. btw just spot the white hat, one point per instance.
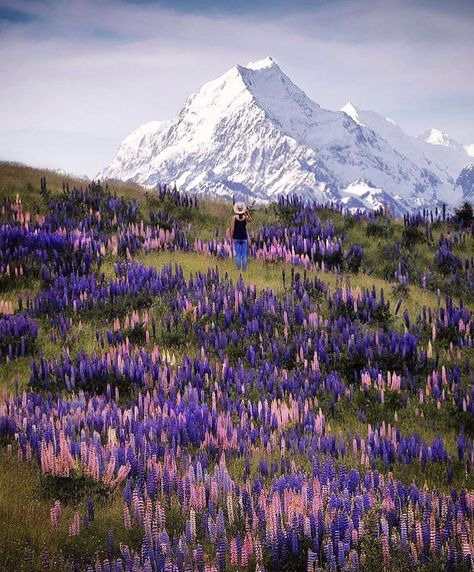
{"type": "Point", "coordinates": [239, 208]}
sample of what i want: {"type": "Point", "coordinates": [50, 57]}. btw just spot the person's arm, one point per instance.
{"type": "Point", "coordinates": [249, 216]}
{"type": "Point", "coordinates": [232, 222]}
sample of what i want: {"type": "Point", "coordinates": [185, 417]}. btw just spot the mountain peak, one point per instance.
{"type": "Point", "coordinates": [349, 107]}
{"type": "Point", "coordinates": [266, 87]}
{"type": "Point", "coordinates": [437, 137]}
{"type": "Point", "coordinates": [351, 110]}
{"type": "Point", "coordinates": [267, 62]}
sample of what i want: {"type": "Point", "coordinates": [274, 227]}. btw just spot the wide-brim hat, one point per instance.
{"type": "Point", "coordinates": [239, 208]}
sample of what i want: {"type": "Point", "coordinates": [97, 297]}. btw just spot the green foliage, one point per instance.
{"type": "Point", "coordinates": [174, 521]}
{"type": "Point", "coordinates": [72, 489]}
{"type": "Point", "coordinates": [368, 402]}
{"type": "Point", "coordinates": [378, 228]}
{"type": "Point", "coordinates": [286, 213]}
{"type": "Point", "coordinates": [412, 235]}
{"type": "Point", "coordinates": [400, 290]}
{"type": "Point", "coordinates": [236, 352]}
{"type": "Point", "coordinates": [450, 418]}
{"type": "Point", "coordinates": [294, 562]}
{"type": "Point", "coordinates": [174, 338]}
{"type": "Point", "coordinates": [465, 214]}
{"type": "Point", "coordinates": [348, 363]}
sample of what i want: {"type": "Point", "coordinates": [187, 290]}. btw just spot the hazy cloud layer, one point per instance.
{"type": "Point", "coordinates": [78, 76]}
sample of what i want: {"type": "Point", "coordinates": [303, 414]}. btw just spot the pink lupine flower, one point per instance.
{"type": "Point", "coordinates": [75, 525]}
{"type": "Point", "coordinates": [55, 514]}
{"type": "Point", "coordinates": [127, 521]}
{"type": "Point", "coordinates": [109, 471]}
{"type": "Point", "coordinates": [234, 557]}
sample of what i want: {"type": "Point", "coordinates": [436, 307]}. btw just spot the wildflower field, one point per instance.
{"type": "Point", "coordinates": [160, 412]}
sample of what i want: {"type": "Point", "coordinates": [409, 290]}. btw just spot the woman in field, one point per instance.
{"type": "Point", "coordinates": [238, 229]}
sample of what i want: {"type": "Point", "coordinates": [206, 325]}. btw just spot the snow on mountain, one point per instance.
{"type": "Point", "coordinates": [267, 62]}
{"type": "Point", "coordinates": [363, 195]}
{"type": "Point", "coordinates": [465, 182]}
{"type": "Point", "coordinates": [254, 133]}
{"type": "Point", "coordinates": [469, 149]}
{"type": "Point", "coordinates": [136, 150]}
{"type": "Point", "coordinates": [394, 135]}
{"type": "Point", "coordinates": [350, 110]}
{"type": "Point", "coordinates": [434, 150]}
{"type": "Point", "coordinates": [360, 116]}
{"type": "Point", "coordinates": [437, 137]}
{"type": "Point", "coordinates": [444, 151]}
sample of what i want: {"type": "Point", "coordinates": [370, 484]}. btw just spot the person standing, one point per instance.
{"type": "Point", "coordinates": [238, 229]}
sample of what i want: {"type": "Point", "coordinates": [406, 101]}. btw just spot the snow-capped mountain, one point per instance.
{"type": "Point", "coordinates": [254, 133]}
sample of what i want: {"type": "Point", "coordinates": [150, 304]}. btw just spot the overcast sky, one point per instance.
{"type": "Point", "coordinates": [77, 76]}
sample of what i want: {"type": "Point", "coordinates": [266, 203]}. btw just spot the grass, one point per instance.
{"type": "Point", "coordinates": [269, 275]}
{"type": "Point", "coordinates": [258, 273]}
{"type": "Point", "coordinates": [28, 535]}
{"type": "Point", "coordinates": [16, 178]}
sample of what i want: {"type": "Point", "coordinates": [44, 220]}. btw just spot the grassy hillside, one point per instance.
{"type": "Point", "coordinates": [295, 310]}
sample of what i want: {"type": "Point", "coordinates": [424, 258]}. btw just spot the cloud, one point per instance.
{"type": "Point", "coordinates": [97, 69]}
{"type": "Point", "coordinates": [11, 15]}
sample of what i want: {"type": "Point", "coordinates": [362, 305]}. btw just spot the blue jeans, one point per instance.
{"type": "Point", "coordinates": [240, 253]}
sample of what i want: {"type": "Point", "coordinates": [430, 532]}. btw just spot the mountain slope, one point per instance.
{"type": "Point", "coordinates": [394, 135]}
{"type": "Point", "coordinates": [469, 149]}
{"type": "Point", "coordinates": [362, 195]}
{"type": "Point", "coordinates": [434, 150]}
{"type": "Point", "coordinates": [445, 151]}
{"type": "Point", "coordinates": [465, 182]}
{"type": "Point", "coordinates": [252, 131]}
{"type": "Point", "coordinates": [437, 137]}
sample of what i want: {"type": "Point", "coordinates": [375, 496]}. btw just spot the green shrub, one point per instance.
{"type": "Point", "coordinates": [72, 489]}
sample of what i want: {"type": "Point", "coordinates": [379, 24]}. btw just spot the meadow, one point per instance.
{"type": "Point", "coordinates": [162, 412]}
